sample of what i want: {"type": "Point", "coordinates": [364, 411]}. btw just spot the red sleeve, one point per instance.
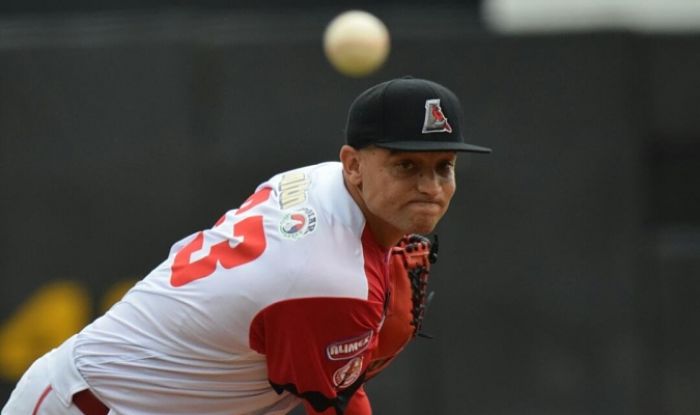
{"type": "Point", "coordinates": [318, 349]}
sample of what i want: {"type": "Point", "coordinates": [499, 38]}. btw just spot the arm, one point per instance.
{"type": "Point", "coordinates": [408, 278]}
{"type": "Point", "coordinates": [318, 348]}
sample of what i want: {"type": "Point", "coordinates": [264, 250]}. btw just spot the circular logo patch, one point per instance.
{"type": "Point", "coordinates": [299, 223]}
{"type": "Point", "coordinates": [348, 374]}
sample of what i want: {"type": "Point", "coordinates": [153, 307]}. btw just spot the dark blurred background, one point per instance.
{"type": "Point", "coordinates": [570, 269]}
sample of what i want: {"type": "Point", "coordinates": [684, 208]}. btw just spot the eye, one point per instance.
{"type": "Point", "coordinates": [446, 168]}
{"type": "Point", "coordinates": [404, 167]}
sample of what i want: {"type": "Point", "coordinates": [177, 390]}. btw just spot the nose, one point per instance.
{"type": "Point", "coordinates": [429, 183]}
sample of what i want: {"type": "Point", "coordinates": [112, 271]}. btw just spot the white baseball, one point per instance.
{"type": "Point", "coordinates": [356, 43]}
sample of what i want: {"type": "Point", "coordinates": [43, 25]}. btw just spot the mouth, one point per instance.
{"type": "Point", "coordinates": [426, 205]}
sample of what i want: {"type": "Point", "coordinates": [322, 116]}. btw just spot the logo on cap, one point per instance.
{"type": "Point", "coordinates": [435, 120]}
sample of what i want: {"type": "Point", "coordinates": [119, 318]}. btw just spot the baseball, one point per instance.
{"type": "Point", "coordinates": [356, 43]}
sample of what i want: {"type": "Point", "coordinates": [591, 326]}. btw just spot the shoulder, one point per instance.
{"type": "Point", "coordinates": [311, 204]}
{"type": "Point", "coordinates": [319, 187]}
{"type": "Point", "coordinates": [306, 234]}
{"type": "Point", "coordinates": [313, 233]}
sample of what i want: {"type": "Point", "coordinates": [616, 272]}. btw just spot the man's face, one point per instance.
{"type": "Point", "coordinates": [406, 192]}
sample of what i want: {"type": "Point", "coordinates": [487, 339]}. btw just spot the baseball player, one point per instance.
{"type": "Point", "coordinates": [307, 290]}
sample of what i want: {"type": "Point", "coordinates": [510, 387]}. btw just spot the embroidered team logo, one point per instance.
{"type": "Point", "coordinates": [348, 374]}
{"type": "Point", "coordinates": [435, 120]}
{"type": "Point", "coordinates": [349, 348]}
{"type": "Point", "coordinates": [299, 223]}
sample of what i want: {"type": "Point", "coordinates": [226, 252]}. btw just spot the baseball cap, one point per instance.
{"type": "Point", "coordinates": [408, 114]}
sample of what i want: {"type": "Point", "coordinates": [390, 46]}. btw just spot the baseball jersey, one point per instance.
{"type": "Point", "coordinates": [282, 298]}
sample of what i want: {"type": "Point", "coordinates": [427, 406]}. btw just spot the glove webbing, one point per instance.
{"type": "Point", "coordinates": [419, 284]}
{"type": "Point", "coordinates": [418, 273]}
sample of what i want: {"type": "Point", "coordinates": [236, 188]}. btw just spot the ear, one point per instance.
{"type": "Point", "coordinates": [350, 158]}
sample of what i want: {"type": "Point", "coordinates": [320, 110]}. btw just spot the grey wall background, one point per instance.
{"type": "Point", "coordinates": [570, 266]}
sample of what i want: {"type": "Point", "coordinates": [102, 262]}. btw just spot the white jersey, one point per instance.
{"type": "Point", "coordinates": [285, 294]}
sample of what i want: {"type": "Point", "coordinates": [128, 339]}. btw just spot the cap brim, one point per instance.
{"type": "Point", "coordinates": [433, 146]}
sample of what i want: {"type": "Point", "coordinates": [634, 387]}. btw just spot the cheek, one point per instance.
{"type": "Point", "coordinates": [450, 190]}
{"type": "Point", "coordinates": [376, 193]}
{"type": "Point", "coordinates": [382, 196]}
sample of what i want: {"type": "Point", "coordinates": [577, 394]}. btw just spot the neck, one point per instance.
{"type": "Point", "coordinates": [384, 233]}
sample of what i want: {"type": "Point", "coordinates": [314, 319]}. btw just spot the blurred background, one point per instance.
{"type": "Point", "coordinates": [569, 276]}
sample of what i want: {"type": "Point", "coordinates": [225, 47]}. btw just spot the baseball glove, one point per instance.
{"type": "Point", "coordinates": [406, 305]}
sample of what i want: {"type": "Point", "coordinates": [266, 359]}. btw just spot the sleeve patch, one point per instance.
{"type": "Point", "coordinates": [348, 373]}
{"type": "Point", "coordinates": [349, 348]}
